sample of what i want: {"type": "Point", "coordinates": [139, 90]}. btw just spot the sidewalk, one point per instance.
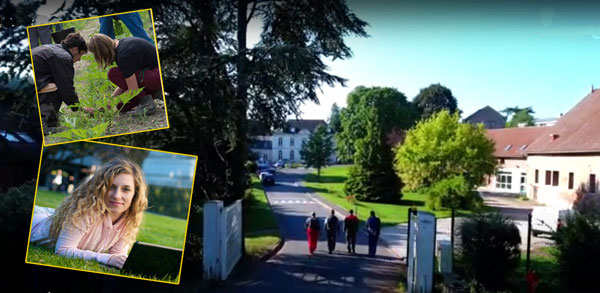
{"type": "Point", "coordinates": [395, 236]}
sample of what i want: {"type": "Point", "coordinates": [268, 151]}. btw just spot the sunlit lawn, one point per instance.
{"type": "Point", "coordinates": [331, 184]}
{"type": "Point", "coordinates": [155, 228]}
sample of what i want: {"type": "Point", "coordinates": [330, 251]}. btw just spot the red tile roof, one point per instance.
{"type": "Point", "coordinates": [518, 138]}
{"type": "Point", "coordinates": [578, 131]}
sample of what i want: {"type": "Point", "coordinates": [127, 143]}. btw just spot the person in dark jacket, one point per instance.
{"type": "Point", "coordinates": [312, 227]}
{"type": "Point", "coordinates": [350, 227]}
{"type": "Point", "coordinates": [373, 228]}
{"type": "Point", "coordinates": [54, 72]}
{"type": "Point", "coordinates": [331, 227]}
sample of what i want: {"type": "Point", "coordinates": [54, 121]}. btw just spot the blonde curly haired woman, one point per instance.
{"type": "Point", "coordinates": [100, 220]}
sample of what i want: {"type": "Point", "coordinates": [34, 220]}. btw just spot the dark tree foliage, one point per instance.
{"type": "Point", "coordinates": [577, 252]}
{"type": "Point", "coordinates": [522, 116]}
{"type": "Point", "coordinates": [394, 114]}
{"type": "Point", "coordinates": [372, 177]}
{"type": "Point", "coordinates": [214, 82]}
{"type": "Point", "coordinates": [335, 121]}
{"type": "Point", "coordinates": [434, 98]}
{"type": "Point", "coordinates": [317, 149]}
{"type": "Point", "coordinates": [490, 248]}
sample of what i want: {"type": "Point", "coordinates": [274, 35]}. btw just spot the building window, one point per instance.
{"type": "Point", "coordinates": [504, 180]}
{"type": "Point", "coordinates": [291, 141]}
{"type": "Point", "coordinates": [571, 180]}
{"type": "Point", "coordinates": [593, 183]}
{"type": "Point", "coordinates": [280, 155]}
{"type": "Point", "coordinates": [292, 155]}
{"type": "Point", "coordinates": [554, 178]}
{"type": "Point", "coordinates": [537, 175]}
{"type": "Point", "coordinates": [523, 182]}
{"type": "Point", "coordinates": [280, 141]}
{"type": "Point", "coordinates": [548, 177]}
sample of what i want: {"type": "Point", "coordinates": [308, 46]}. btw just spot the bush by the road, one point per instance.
{"type": "Point", "coordinates": [489, 249]}
{"type": "Point", "coordinates": [578, 252]}
{"type": "Point", "coordinates": [453, 192]}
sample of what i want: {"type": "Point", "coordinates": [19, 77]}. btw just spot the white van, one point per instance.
{"type": "Point", "coordinates": [546, 220]}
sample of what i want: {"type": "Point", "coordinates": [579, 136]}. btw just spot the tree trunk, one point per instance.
{"type": "Point", "coordinates": [239, 152]}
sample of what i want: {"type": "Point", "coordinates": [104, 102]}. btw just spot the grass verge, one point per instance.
{"type": "Point", "coordinates": [261, 229]}
{"type": "Point", "coordinates": [331, 187]}
{"type": "Point", "coordinates": [155, 228]}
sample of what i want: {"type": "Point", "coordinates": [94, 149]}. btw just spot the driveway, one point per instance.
{"type": "Point", "coordinates": [291, 270]}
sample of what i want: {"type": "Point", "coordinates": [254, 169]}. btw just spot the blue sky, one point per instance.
{"type": "Point", "coordinates": [542, 55]}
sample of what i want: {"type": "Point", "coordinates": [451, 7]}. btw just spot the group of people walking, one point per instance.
{"type": "Point", "coordinates": [350, 228]}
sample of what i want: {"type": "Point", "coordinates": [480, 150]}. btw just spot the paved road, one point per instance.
{"type": "Point", "coordinates": [291, 270]}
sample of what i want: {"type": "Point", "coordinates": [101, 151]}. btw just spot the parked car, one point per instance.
{"type": "Point", "coordinates": [280, 164]}
{"type": "Point", "coordinates": [267, 178]}
{"type": "Point", "coordinates": [271, 170]}
{"type": "Point", "coordinates": [547, 220]}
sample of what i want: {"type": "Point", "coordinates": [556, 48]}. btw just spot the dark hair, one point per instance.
{"type": "Point", "coordinates": [332, 211]}
{"type": "Point", "coordinates": [373, 213]}
{"type": "Point", "coordinates": [74, 40]}
{"type": "Point", "coordinates": [351, 211]}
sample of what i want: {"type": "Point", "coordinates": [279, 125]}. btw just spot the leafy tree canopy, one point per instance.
{"type": "Point", "coordinates": [441, 147]}
{"type": "Point", "coordinates": [372, 176]}
{"type": "Point", "coordinates": [393, 112]}
{"type": "Point", "coordinates": [435, 98]}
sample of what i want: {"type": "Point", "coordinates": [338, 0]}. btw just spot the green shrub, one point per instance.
{"type": "Point", "coordinates": [578, 252]}
{"type": "Point", "coordinates": [453, 192]}
{"type": "Point", "coordinates": [489, 249]}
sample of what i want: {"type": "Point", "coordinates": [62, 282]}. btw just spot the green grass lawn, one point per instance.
{"type": "Point", "coordinates": [261, 227]}
{"type": "Point", "coordinates": [331, 184]}
{"type": "Point", "coordinates": [545, 265]}
{"type": "Point", "coordinates": [158, 229]}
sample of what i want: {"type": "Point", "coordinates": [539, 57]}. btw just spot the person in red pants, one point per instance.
{"type": "Point", "coordinates": [137, 67]}
{"type": "Point", "coordinates": [312, 227]}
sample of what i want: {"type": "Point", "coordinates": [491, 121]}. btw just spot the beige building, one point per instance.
{"type": "Point", "coordinates": [554, 165]}
{"type": "Point", "coordinates": [511, 145]}
{"type": "Point", "coordinates": [564, 160]}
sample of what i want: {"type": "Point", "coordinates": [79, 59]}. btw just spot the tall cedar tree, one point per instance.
{"type": "Point", "coordinates": [317, 149]}
{"type": "Point", "coordinates": [435, 98]}
{"type": "Point", "coordinates": [335, 122]}
{"type": "Point", "coordinates": [372, 176]}
{"type": "Point", "coordinates": [394, 114]}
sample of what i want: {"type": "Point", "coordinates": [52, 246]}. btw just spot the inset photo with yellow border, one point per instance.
{"type": "Point", "coordinates": [98, 77]}
{"type": "Point", "coordinates": [112, 209]}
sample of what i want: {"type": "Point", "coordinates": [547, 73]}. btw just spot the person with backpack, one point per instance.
{"type": "Point", "coordinates": [350, 227]}
{"type": "Point", "coordinates": [312, 231]}
{"type": "Point", "coordinates": [373, 228]}
{"type": "Point", "coordinates": [331, 227]}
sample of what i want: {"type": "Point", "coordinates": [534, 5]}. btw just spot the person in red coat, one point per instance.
{"type": "Point", "coordinates": [312, 227]}
{"type": "Point", "coordinates": [350, 227]}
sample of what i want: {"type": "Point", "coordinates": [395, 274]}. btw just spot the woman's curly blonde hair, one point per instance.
{"type": "Point", "coordinates": [87, 205]}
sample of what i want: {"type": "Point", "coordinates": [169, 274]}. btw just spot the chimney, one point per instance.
{"type": "Point", "coordinates": [553, 136]}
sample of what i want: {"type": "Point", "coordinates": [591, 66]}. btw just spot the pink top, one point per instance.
{"type": "Point", "coordinates": [98, 241]}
